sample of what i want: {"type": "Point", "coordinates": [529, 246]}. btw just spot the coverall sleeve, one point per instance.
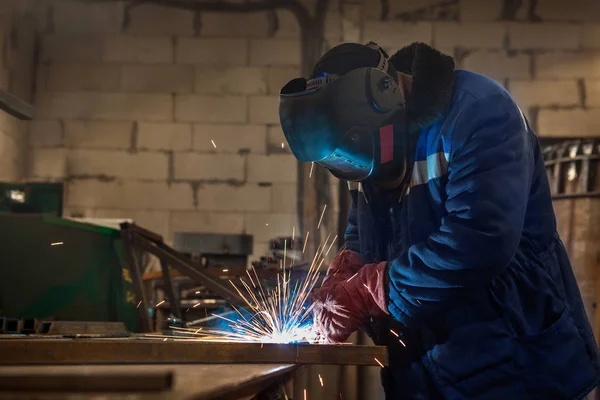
{"type": "Point", "coordinates": [489, 176]}
{"type": "Point", "coordinates": [351, 238]}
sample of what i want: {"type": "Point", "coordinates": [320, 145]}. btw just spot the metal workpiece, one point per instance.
{"type": "Point", "coordinates": [138, 350]}
{"type": "Point", "coordinates": [15, 106]}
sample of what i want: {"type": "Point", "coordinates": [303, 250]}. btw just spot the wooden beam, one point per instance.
{"type": "Point", "coordinates": [23, 351]}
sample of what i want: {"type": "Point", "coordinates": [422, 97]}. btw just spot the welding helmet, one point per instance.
{"type": "Point", "coordinates": [344, 122]}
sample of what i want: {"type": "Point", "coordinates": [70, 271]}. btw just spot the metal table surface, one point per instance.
{"type": "Point", "coordinates": [133, 382]}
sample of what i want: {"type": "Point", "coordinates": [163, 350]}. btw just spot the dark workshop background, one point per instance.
{"type": "Point", "coordinates": [128, 100]}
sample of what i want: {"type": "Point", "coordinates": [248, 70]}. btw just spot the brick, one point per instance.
{"type": "Point", "coordinates": [191, 166]}
{"type": "Point", "coordinates": [134, 49]}
{"type": "Point", "coordinates": [590, 36]}
{"type": "Point", "coordinates": [482, 35]}
{"type": "Point", "coordinates": [284, 197]}
{"type": "Point", "coordinates": [567, 65]}
{"type": "Point", "coordinates": [98, 134]}
{"type": "Point", "coordinates": [10, 159]}
{"type": "Point", "coordinates": [192, 108]}
{"type": "Point", "coordinates": [274, 52]}
{"type": "Point", "coordinates": [149, 19]}
{"type": "Point", "coordinates": [351, 22]}
{"type": "Point", "coordinates": [155, 221]}
{"type": "Point", "coordinates": [164, 136]}
{"type": "Point", "coordinates": [158, 78]}
{"type": "Point", "coordinates": [276, 141]}
{"type": "Point", "coordinates": [105, 106]}
{"type": "Point", "coordinates": [395, 34]}
{"type": "Point", "coordinates": [574, 10]}
{"type": "Point", "coordinates": [73, 77]}
{"type": "Point", "coordinates": [48, 163]}
{"type": "Point", "coordinates": [550, 36]}
{"type": "Point", "coordinates": [231, 81]}
{"type": "Point", "coordinates": [234, 198]}
{"type": "Point", "coordinates": [208, 222]}
{"type": "Point", "coordinates": [406, 9]}
{"type": "Point", "coordinates": [279, 76]}
{"type": "Point", "coordinates": [544, 93]}
{"type": "Point", "coordinates": [79, 17]}
{"type": "Point", "coordinates": [333, 28]}
{"type": "Point", "coordinates": [592, 93]}
{"type": "Point", "coordinates": [569, 123]}
{"type": "Point", "coordinates": [118, 164]}
{"type": "Point", "coordinates": [264, 109]}
{"type": "Point", "coordinates": [481, 10]}
{"type": "Point", "coordinates": [266, 226]}
{"type": "Point", "coordinates": [65, 47]}
{"type": "Point", "coordinates": [234, 25]}
{"type": "Point", "coordinates": [288, 26]}
{"type": "Point", "coordinates": [499, 65]}
{"type": "Point", "coordinates": [129, 195]}
{"type": "Point", "coordinates": [230, 138]}
{"type": "Point", "coordinates": [274, 168]}
{"type": "Point", "coordinates": [218, 52]}
{"type": "Point", "coordinates": [45, 133]}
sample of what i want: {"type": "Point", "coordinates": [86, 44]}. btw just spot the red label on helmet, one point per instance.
{"type": "Point", "coordinates": [386, 140]}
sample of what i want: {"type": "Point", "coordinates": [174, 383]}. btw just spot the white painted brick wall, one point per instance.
{"type": "Point", "coordinates": [235, 25]}
{"type": "Point", "coordinates": [499, 65]}
{"type": "Point", "coordinates": [223, 197]}
{"type": "Point", "coordinates": [120, 164]}
{"type": "Point", "coordinates": [568, 65]}
{"type": "Point", "coordinates": [230, 138]}
{"type": "Point", "coordinates": [48, 163]}
{"type": "Point", "coordinates": [138, 49]}
{"type": "Point", "coordinates": [209, 222]}
{"type": "Point", "coordinates": [155, 221]}
{"type": "Point", "coordinates": [279, 76]}
{"type": "Point", "coordinates": [549, 36]}
{"type": "Point", "coordinates": [396, 34]}
{"type": "Point", "coordinates": [268, 52]}
{"type": "Point", "coordinates": [265, 226]}
{"type": "Point", "coordinates": [213, 80]}
{"type": "Point", "coordinates": [544, 93]}
{"type": "Point", "coordinates": [45, 133]}
{"type": "Point", "coordinates": [592, 92]}
{"type": "Point", "coordinates": [264, 109]}
{"type": "Point", "coordinates": [152, 20]}
{"type": "Point", "coordinates": [158, 78]}
{"type": "Point", "coordinates": [74, 16]}
{"type": "Point", "coordinates": [105, 106]}
{"type": "Point", "coordinates": [9, 158]}
{"type": "Point", "coordinates": [481, 35]}
{"type": "Point", "coordinates": [164, 136]}
{"type": "Point", "coordinates": [191, 166]}
{"type": "Point", "coordinates": [72, 47]}
{"type": "Point", "coordinates": [280, 168]}
{"type": "Point", "coordinates": [574, 10]}
{"type": "Point", "coordinates": [192, 108]}
{"type": "Point", "coordinates": [284, 197]}
{"type": "Point", "coordinates": [276, 141]}
{"type": "Point", "coordinates": [98, 134]}
{"type": "Point", "coordinates": [289, 28]}
{"type": "Point", "coordinates": [480, 10]}
{"type": "Point", "coordinates": [569, 123]}
{"type": "Point", "coordinates": [74, 77]}
{"type": "Point", "coordinates": [129, 195]}
{"type": "Point", "coordinates": [590, 36]}
{"type": "Point", "coordinates": [211, 51]}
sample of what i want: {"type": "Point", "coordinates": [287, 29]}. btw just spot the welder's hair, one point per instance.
{"type": "Point", "coordinates": [350, 56]}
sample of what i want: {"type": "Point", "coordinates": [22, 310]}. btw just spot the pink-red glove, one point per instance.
{"type": "Point", "coordinates": [342, 306]}
{"type": "Point", "coordinates": [343, 266]}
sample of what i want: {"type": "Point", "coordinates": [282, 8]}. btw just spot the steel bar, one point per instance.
{"type": "Point", "coordinates": [136, 277]}
{"type": "Point", "coordinates": [170, 289]}
{"type": "Point", "coordinates": [152, 351]}
{"type": "Point", "coordinates": [15, 106]}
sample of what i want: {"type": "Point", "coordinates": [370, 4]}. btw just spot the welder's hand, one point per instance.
{"type": "Point", "coordinates": [343, 266]}
{"type": "Point", "coordinates": [342, 306]}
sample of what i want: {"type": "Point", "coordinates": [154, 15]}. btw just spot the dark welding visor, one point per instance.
{"type": "Point", "coordinates": [334, 121]}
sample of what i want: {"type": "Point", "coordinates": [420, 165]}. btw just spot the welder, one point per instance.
{"type": "Point", "coordinates": [451, 254]}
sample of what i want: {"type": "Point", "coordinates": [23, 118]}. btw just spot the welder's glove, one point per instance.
{"type": "Point", "coordinates": [342, 306]}
{"type": "Point", "coordinates": [343, 266]}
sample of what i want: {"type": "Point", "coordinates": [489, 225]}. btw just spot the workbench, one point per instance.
{"type": "Point", "coordinates": [148, 382]}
